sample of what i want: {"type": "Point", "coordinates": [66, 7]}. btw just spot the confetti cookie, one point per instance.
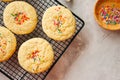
{"type": "Point", "coordinates": [107, 14]}
{"type": "Point", "coordinates": [58, 23]}
{"type": "Point", "coordinates": [36, 55]}
{"type": "Point", "coordinates": [7, 44]}
{"type": "Point", "coordinates": [20, 17]}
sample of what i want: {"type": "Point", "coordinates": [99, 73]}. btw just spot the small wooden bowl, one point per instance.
{"type": "Point", "coordinates": [101, 3]}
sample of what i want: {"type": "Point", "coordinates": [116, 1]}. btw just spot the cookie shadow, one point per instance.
{"type": "Point", "coordinates": [68, 58]}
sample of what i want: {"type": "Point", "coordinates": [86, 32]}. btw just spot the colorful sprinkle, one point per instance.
{"type": "Point", "coordinates": [3, 45]}
{"type": "Point", "coordinates": [59, 31]}
{"type": "Point", "coordinates": [34, 59]}
{"type": "Point", "coordinates": [9, 41]}
{"type": "Point", "coordinates": [58, 22]}
{"type": "Point", "coordinates": [20, 18]}
{"type": "Point", "coordinates": [39, 59]}
{"type": "Point", "coordinates": [33, 55]}
{"type": "Point", "coordinates": [110, 15]}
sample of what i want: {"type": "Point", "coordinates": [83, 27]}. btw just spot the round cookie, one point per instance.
{"type": "Point", "coordinates": [20, 17]}
{"type": "Point", "coordinates": [7, 44]}
{"type": "Point", "coordinates": [36, 55]}
{"type": "Point", "coordinates": [58, 23]}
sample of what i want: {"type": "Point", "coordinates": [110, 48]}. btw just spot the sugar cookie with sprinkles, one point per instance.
{"type": "Point", "coordinates": [7, 44]}
{"type": "Point", "coordinates": [20, 17]}
{"type": "Point", "coordinates": [58, 23]}
{"type": "Point", "coordinates": [107, 14]}
{"type": "Point", "coordinates": [36, 55]}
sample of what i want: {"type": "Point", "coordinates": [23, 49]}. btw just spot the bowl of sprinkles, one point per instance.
{"type": "Point", "coordinates": [107, 14]}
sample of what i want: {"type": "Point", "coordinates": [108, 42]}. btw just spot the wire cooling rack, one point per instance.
{"type": "Point", "coordinates": [11, 68]}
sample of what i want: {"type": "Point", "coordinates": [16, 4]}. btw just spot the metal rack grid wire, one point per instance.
{"type": "Point", "coordinates": [11, 68]}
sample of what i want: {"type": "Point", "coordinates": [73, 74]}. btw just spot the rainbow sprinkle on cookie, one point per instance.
{"type": "Point", "coordinates": [3, 45]}
{"type": "Point", "coordinates": [34, 55]}
{"type": "Point", "coordinates": [20, 18]}
{"type": "Point", "coordinates": [58, 22]}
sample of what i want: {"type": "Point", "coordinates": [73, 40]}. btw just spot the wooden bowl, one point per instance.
{"type": "Point", "coordinates": [107, 21]}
